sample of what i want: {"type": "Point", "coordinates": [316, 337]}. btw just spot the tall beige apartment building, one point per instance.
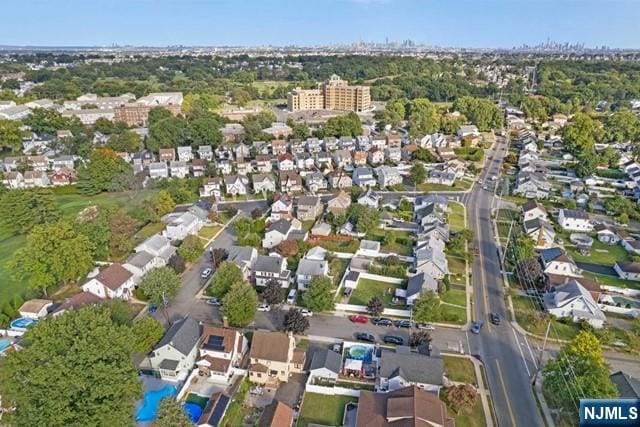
{"type": "Point", "coordinates": [333, 94]}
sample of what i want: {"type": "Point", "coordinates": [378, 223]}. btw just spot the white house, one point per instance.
{"type": "Point", "coordinates": [556, 261]}
{"type": "Point", "coordinates": [183, 225]}
{"type": "Point", "coordinates": [175, 354]}
{"type": "Point", "coordinates": [628, 270]}
{"type": "Point", "coordinates": [140, 263]}
{"type": "Point", "coordinates": [574, 301]}
{"type": "Point", "coordinates": [574, 220]}
{"type": "Point", "coordinates": [308, 269]}
{"type": "Point", "coordinates": [263, 182]}
{"type": "Point", "coordinates": [35, 308]}
{"type": "Point", "coordinates": [236, 185]}
{"type": "Point", "coordinates": [401, 369]}
{"type": "Point", "coordinates": [325, 365]}
{"type": "Point", "coordinates": [531, 209]}
{"type": "Point", "coordinates": [114, 281]}
{"type": "Point", "coordinates": [282, 208]}
{"type": "Point", "coordinates": [221, 353]}
{"type": "Point", "coordinates": [279, 231]}
{"type": "Point", "coordinates": [211, 187]}
{"type": "Point", "coordinates": [388, 176]}
{"type": "Point", "coordinates": [179, 169]}
{"type": "Point", "coordinates": [431, 261]}
{"type": "Point", "coordinates": [244, 257]}
{"type": "Point", "coordinates": [272, 267]}
{"type": "Point", "coordinates": [606, 234]}
{"type": "Point", "coordinates": [185, 154]}
{"type": "Point", "coordinates": [158, 170]}
{"type": "Point", "coordinates": [370, 198]}
{"type": "Point", "coordinates": [159, 246]}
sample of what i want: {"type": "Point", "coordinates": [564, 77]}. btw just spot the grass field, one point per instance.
{"type": "Point", "coordinates": [368, 288]}
{"type": "Point", "coordinates": [350, 246]}
{"type": "Point", "coordinates": [612, 280]}
{"type": "Point", "coordinates": [600, 254]}
{"type": "Point", "coordinates": [459, 369]}
{"type": "Point", "coordinates": [402, 246]}
{"type": "Point", "coordinates": [337, 267]}
{"type": "Point", "coordinates": [456, 268]}
{"type": "Point", "coordinates": [71, 204]}
{"type": "Point", "coordinates": [535, 321]}
{"type": "Point", "coordinates": [323, 410]}
{"type": "Point", "coordinates": [456, 216]}
{"type": "Point", "coordinates": [149, 230]}
{"type": "Point", "coordinates": [473, 417]}
{"type": "Point", "coordinates": [458, 185]}
{"type": "Point", "coordinates": [454, 296]}
{"type": "Point", "coordinates": [9, 286]}
{"type": "Point", "coordinates": [451, 314]}
{"type": "Point", "coordinates": [209, 231]}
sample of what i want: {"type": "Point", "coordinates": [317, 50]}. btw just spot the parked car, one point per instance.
{"type": "Point", "coordinates": [347, 292]}
{"type": "Point", "coordinates": [358, 318]}
{"type": "Point", "coordinates": [337, 347]}
{"type": "Point", "coordinates": [495, 318]}
{"type": "Point", "coordinates": [365, 336]}
{"type": "Point", "coordinates": [264, 307]}
{"type": "Point", "coordinates": [382, 321]}
{"type": "Point", "coordinates": [206, 273]}
{"type": "Point", "coordinates": [306, 313]}
{"type": "Point", "coordinates": [213, 301]}
{"type": "Point", "coordinates": [291, 298]}
{"type": "Point", "coordinates": [392, 339]}
{"type": "Point", "coordinates": [426, 326]}
{"type": "Point", "coordinates": [403, 323]}
{"type": "Point", "coordinates": [475, 328]}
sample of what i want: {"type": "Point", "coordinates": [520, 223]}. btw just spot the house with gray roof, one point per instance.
{"type": "Point", "coordinates": [400, 368]}
{"type": "Point", "coordinates": [157, 245]}
{"type": "Point", "coordinates": [175, 354]}
{"type": "Point", "coordinates": [279, 231]}
{"type": "Point", "coordinates": [325, 365]}
{"type": "Point", "coordinates": [308, 269]}
{"type": "Point", "coordinates": [628, 386]}
{"type": "Point", "coordinates": [271, 267]}
{"type": "Point", "coordinates": [574, 301]}
{"type": "Point", "coordinates": [363, 177]}
{"type": "Point", "coordinates": [416, 285]}
{"type": "Point", "coordinates": [244, 257]}
{"type": "Point", "coordinates": [140, 263]}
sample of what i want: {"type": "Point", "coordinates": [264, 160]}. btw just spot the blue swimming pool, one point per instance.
{"type": "Point", "coordinates": [360, 352]}
{"type": "Point", "coordinates": [22, 323]}
{"type": "Point", "coordinates": [4, 344]}
{"type": "Point", "coordinates": [149, 408]}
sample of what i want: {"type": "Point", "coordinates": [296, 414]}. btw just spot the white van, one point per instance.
{"type": "Point", "coordinates": [291, 299]}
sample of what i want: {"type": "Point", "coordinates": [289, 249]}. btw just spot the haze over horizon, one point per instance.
{"type": "Point", "coordinates": [457, 23]}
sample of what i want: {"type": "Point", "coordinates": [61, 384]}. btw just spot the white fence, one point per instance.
{"type": "Point", "coordinates": [332, 391]}
{"type": "Point", "coordinates": [624, 291]}
{"type": "Point", "coordinates": [11, 333]}
{"type": "Point", "coordinates": [379, 278]}
{"type": "Point", "coordinates": [363, 309]}
{"type": "Point", "coordinates": [633, 312]}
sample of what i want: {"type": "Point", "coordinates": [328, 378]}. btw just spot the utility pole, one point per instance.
{"type": "Point", "coordinates": [544, 344]}
{"type": "Point", "coordinates": [504, 252]}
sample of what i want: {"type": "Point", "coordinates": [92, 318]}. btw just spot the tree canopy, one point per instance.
{"type": "Point", "coordinates": [227, 275]}
{"type": "Point", "coordinates": [239, 304]}
{"type": "Point", "coordinates": [160, 284]}
{"type": "Point", "coordinates": [319, 296]}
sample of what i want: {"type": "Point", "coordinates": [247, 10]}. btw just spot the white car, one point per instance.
{"type": "Point", "coordinates": [206, 273]}
{"type": "Point", "coordinates": [264, 307]}
{"type": "Point", "coordinates": [306, 313]}
{"type": "Point", "coordinates": [213, 301]}
{"type": "Point", "coordinates": [426, 326]}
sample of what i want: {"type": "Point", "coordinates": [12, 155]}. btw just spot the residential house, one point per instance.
{"type": "Point", "coordinates": [574, 220]}
{"type": "Point", "coordinates": [142, 159]}
{"type": "Point", "coordinates": [360, 158]}
{"type": "Point", "coordinates": [244, 257]}
{"type": "Point", "coordinates": [38, 163]}
{"type": "Point", "coordinates": [431, 261]}
{"type": "Point", "coordinates": [572, 300]}
{"type": "Point", "coordinates": [76, 302]}
{"type": "Point", "coordinates": [393, 154]}
{"type": "Point", "coordinates": [276, 414]}
{"type": "Point", "coordinates": [304, 161]}
{"type": "Point", "coordinates": [556, 261]}
{"type": "Point", "coordinates": [346, 143]}
{"type": "Point", "coordinates": [308, 208]}
{"type": "Point", "coordinates": [278, 147]}
{"type": "Point", "coordinates": [370, 198]}
{"type": "Point", "coordinates": [315, 182]}
{"type": "Point", "coordinates": [628, 270]}
{"type": "Point", "coordinates": [232, 132]}
{"type": "Point", "coordinates": [363, 177]}
{"type": "Point", "coordinates": [531, 209]}
{"type": "Point", "coordinates": [313, 145]}
{"type": "Point", "coordinates": [33, 179]}
{"type": "Point", "coordinates": [606, 234]}
{"type": "Point", "coordinates": [282, 207]}
{"type": "Point", "coordinates": [325, 365]}
{"type": "Point", "coordinates": [409, 406]}
{"type": "Point", "coordinates": [375, 157]}
{"type": "Point", "coordinates": [278, 130]}
{"type": "Point", "coordinates": [323, 160]}
{"type": "Point", "coordinates": [63, 162]}
{"type": "Point", "coordinates": [388, 176]}
{"type": "Point", "coordinates": [271, 267]}
{"type": "Point", "coordinates": [179, 227]}
{"type": "Point", "coordinates": [263, 183]}
{"type": "Point", "coordinates": [185, 154]}
{"type": "Point", "coordinates": [35, 308]}
{"type": "Point", "coordinates": [272, 358]}
{"type": "Point", "coordinates": [211, 187]}
{"type": "Point", "coordinates": [541, 232]}
{"type": "Point", "coordinates": [532, 185]}
{"type": "Point", "coordinates": [286, 162]}
{"type": "Point", "coordinates": [205, 152]}
{"type": "Point", "coordinates": [290, 182]}
{"type": "Point", "coordinates": [158, 170]}
{"type": "Point", "coordinates": [339, 179]}
{"type": "Point", "coordinates": [221, 353]}
{"type": "Point", "coordinates": [631, 244]}
{"type": "Point", "coordinates": [465, 130]}
{"type": "Point", "coordinates": [157, 245]}
{"type": "Point", "coordinates": [140, 263]}
{"type": "Point", "coordinates": [236, 185]}
{"type": "Point", "coordinates": [308, 269]}
{"type": "Point", "coordinates": [198, 167]}
{"type": "Point", "coordinates": [628, 386]}
{"type": "Point", "coordinates": [62, 177]}
{"type": "Point", "coordinates": [279, 231]}
{"type": "Point", "coordinates": [399, 369]}
{"type": "Point", "coordinates": [342, 158]}
{"type": "Point", "coordinates": [339, 204]}
{"type": "Point", "coordinates": [437, 176]}
{"type": "Point", "coordinates": [436, 140]}
{"type": "Point", "coordinates": [166, 154]}
{"type": "Point", "coordinates": [175, 354]}
{"type": "Point", "coordinates": [115, 281]}
{"type": "Point", "coordinates": [179, 169]}
{"type": "Point", "coordinates": [429, 211]}
{"type": "Point", "coordinates": [407, 151]}
{"type": "Point", "coordinates": [263, 163]}
{"type": "Point", "coordinates": [224, 166]}
{"type": "Point", "coordinates": [379, 142]}
{"type": "Point", "coordinates": [416, 285]}
{"type": "Point", "coordinates": [13, 179]}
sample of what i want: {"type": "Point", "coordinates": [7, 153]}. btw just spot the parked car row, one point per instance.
{"type": "Point", "coordinates": [387, 339]}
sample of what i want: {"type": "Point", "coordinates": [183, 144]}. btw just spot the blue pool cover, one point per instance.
{"type": "Point", "coordinates": [149, 408]}
{"type": "Point", "coordinates": [193, 411]}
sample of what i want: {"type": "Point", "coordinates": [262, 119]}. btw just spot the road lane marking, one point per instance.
{"type": "Point", "coordinates": [506, 396]}
{"type": "Point", "coordinates": [535, 364]}
{"type": "Point", "coordinates": [521, 352]}
{"type": "Point", "coordinates": [483, 279]}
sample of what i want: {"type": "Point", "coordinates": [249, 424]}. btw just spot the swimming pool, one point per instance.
{"type": "Point", "coordinates": [149, 408]}
{"type": "Point", "coordinates": [361, 352]}
{"type": "Point", "coordinates": [22, 323]}
{"type": "Point", "coordinates": [626, 301]}
{"type": "Point", "coordinates": [4, 344]}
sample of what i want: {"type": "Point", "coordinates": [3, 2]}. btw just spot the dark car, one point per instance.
{"type": "Point", "coordinates": [475, 328]}
{"type": "Point", "coordinates": [364, 336]}
{"type": "Point", "coordinates": [382, 321]}
{"type": "Point", "coordinates": [495, 318]}
{"type": "Point", "coordinates": [403, 323]}
{"type": "Point", "coordinates": [392, 339]}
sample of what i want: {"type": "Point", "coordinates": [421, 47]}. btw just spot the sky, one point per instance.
{"type": "Point", "coordinates": [454, 23]}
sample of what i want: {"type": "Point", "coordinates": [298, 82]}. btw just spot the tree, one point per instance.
{"type": "Point", "coordinates": [172, 414]}
{"type": "Point", "coordinates": [160, 285]}
{"type": "Point", "coordinates": [21, 210]}
{"type": "Point", "coordinates": [482, 112]}
{"type": "Point", "coordinates": [349, 125]}
{"type": "Point", "coordinates": [98, 175]}
{"type": "Point", "coordinates": [427, 308]}
{"type": "Point", "coordinates": [10, 135]}
{"type": "Point", "coordinates": [581, 364]}
{"type": "Point", "coordinates": [122, 228]}
{"type": "Point", "coordinates": [375, 306]}
{"type": "Point", "coordinates": [127, 141]}
{"type": "Point", "coordinates": [205, 131]}
{"type": "Point", "coordinates": [147, 331]}
{"type": "Point", "coordinates": [389, 238]}
{"type": "Point", "coordinates": [460, 397]}
{"type": "Point", "coordinates": [272, 293]}
{"type": "Point", "coordinates": [424, 155]}
{"type": "Point", "coordinates": [218, 255]}
{"type": "Point", "coordinates": [227, 275]}
{"type": "Point", "coordinates": [393, 113]}
{"type": "Point", "coordinates": [420, 337]}
{"type": "Point", "coordinates": [423, 117]}
{"type": "Point", "coordinates": [239, 305]}
{"type": "Point", "coordinates": [80, 359]}
{"type": "Point", "coordinates": [622, 126]}
{"type": "Point", "coordinates": [46, 120]}
{"type": "Point", "coordinates": [288, 248]}
{"type": "Point", "coordinates": [162, 203]}
{"type": "Point", "coordinates": [54, 253]}
{"type": "Point", "coordinates": [319, 296]}
{"type": "Point", "coordinates": [528, 270]}
{"type": "Point", "coordinates": [587, 162]}
{"type": "Point", "coordinates": [582, 134]}
{"type": "Point", "coordinates": [242, 226]}
{"type": "Point", "coordinates": [610, 156]}
{"type": "Point", "coordinates": [366, 218]}
{"type": "Point", "coordinates": [169, 132]}
{"type": "Point", "coordinates": [177, 263]}
{"type": "Point", "coordinates": [256, 213]}
{"type": "Point", "coordinates": [417, 174]}
{"type": "Point", "coordinates": [191, 248]}
{"type": "Point", "coordinates": [295, 322]}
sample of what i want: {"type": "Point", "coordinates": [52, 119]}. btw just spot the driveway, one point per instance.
{"type": "Point", "coordinates": [291, 391]}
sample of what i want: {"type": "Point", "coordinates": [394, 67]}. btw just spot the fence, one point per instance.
{"type": "Point", "coordinates": [624, 291]}
{"type": "Point", "coordinates": [379, 278]}
{"type": "Point", "coordinates": [633, 312]}
{"type": "Point", "coordinates": [332, 391]}
{"type": "Point", "coordinates": [363, 309]}
{"type": "Point", "coordinates": [11, 333]}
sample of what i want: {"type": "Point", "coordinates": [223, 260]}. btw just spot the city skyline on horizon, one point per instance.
{"type": "Point", "coordinates": [494, 24]}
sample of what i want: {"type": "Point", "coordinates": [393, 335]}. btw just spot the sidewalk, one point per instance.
{"type": "Point", "coordinates": [482, 390]}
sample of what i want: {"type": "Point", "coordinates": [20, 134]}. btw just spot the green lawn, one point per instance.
{"type": "Point", "coordinates": [150, 229]}
{"type": "Point", "coordinates": [402, 246]}
{"type": "Point", "coordinates": [368, 288]}
{"type": "Point", "coordinates": [323, 409]}
{"type": "Point", "coordinates": [10, 286]}
{"type": "Point", "coordinates": [337, 267]}
{"type": "Point", "coordinates": [535, 320]}
{"type": "Point", "coordinates": [612, 280]}
{"type": "Point", "coordinates": [71, 204]}
{"type": "Point", "coordinates": [454, 296]}
{"type": "Point", "coordinates": [507, 215]}
{"type": "Point", "coordinates": [451, 314]}
{"type": "Point", "coordinates": [209, 231]}
{"type": "Point", "coordinates": [456, 216]}
{"type": "Point", "coordinates": [600, 254]}
{"type": "Point", "coordinates": [459, 369]}
{"type": "Point", "coordinates": [472, 417]}
{"type": "Point", "coordinates": [458, 185]}
{"type": "Point", "coordinates": [457, 267]}
{"type": "Point", "coordinates": [503, 230]}
{"type": "Point", "coordinates": [349, 246]}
